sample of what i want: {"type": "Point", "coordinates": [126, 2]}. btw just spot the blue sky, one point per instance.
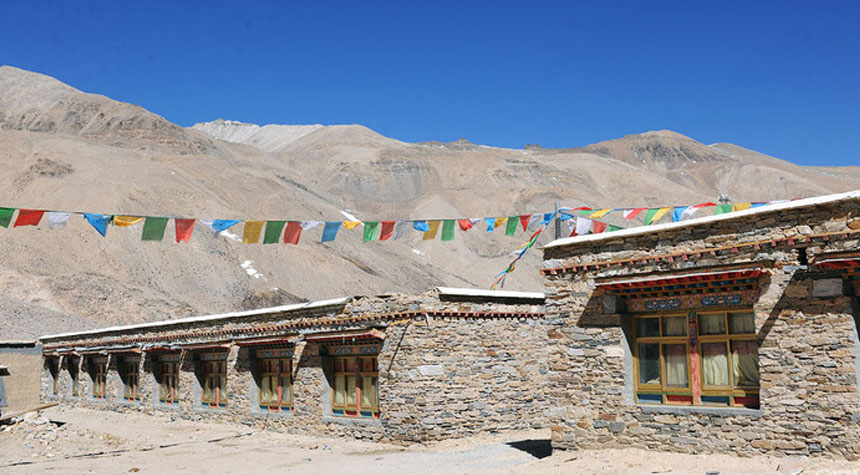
{"type": "Point", "coordinates": [782, 78]}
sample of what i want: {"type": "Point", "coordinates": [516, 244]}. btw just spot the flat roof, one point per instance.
{"type": "Point", "coordinates": [203, 318]}
{"type": "Point", "coordinates": [499, 294]}
{"type": "Point", "coordinates": [642, 230]}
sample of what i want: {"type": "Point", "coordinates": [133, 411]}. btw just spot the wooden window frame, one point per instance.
{"type": "Point", "coordinates": [731, 391]}
{"type": "Point", "coordinates": [214, 371]}
{"type": "Point", "coordinates": [356, 410]}
{"type": "Point", "coordinates": [98, 374]}
{"type": "Point", "coordinates": [131, 381]}
{"type": "Point", "coordinates": [168, 372]}
{"type": "Point", "coordinates": [282, 376]}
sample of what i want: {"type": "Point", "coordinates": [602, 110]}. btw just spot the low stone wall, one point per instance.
{"type": "Point", "coordinates": [806, 330]}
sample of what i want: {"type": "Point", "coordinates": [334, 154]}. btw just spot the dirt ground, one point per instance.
{"type": "Point", "coordinates": [84, 441]}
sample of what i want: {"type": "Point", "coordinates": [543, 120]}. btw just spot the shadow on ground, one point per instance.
{"type": "Point", "coordinates": [537, 448]}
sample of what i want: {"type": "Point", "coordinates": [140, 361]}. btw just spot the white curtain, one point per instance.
{"type": "Point", "coordinates": [742, 323]}
{"type": "Point", "coordinates": [712, 324]}
{"type": "Point", "coordinates": [745, 363]}
{"type": "Point", "coordinates": [715, 364]}
{"type": "Point", "coordinates": [674, 326]}
{"type": "Point", "coordinates": [675, 357]}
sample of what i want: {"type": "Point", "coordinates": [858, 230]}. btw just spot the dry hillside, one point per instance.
{"type": "Point", "coordinates": [64, 149]}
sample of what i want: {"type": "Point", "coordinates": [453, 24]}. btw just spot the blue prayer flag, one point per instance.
{"type": "Point", "coordinates": [330, 231]}
{"type": "Point", "coordinates": [678, 213]}
{"type": "Point", "coordinates": [223, 224]}
{"type": "Point", "coordinates": [421, 226]}
{"type": "Point", "coordinates": [99, 221]}
{"type": "Point", "coordinates": [491, 224]}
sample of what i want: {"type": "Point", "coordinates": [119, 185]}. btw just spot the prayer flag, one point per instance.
{"type": "Point", "coordinates": [741, 206]}
{"type": "Point", "coordinates": [598, 227]}
{"type": "Point", "coordinates": [126, 221]}
{"type": "Point", "coordinates": [465, 224]}
{"type": "Point", "coordinates": [220, 225]}
{"type": "Point", "coordinates": [57, 219]}
{"type": "Point", "coordinates": [29, 217]}
{"type": "Point", "coordinates": [6, 216]}
{"type": "Point", "coordinates": [184, 228]}
{"type": "Point", "coordinates": [98, 221]}
{"type": "Point", "coordinates": [723, 208]}
{"type": "Point", "coordinates": [273, 231]}
{"type": "Point", "coordinates": [524, 220]}
{"type": "Point", "coordinates": [756, 205]}
{"type": "Point", "coordinates": [293, 233]}
{"type": "Point", "coordinates": [654, 214]}
{"type": "Point", "coordinates": [499, 222]}
{"type": "Point", "coordinates": [370, 230]}
{"type": "Point", "coordinates": [491, 224]}
{"type": "Point", "coordinates": [387, 230]}
{"type": "Point", "coordinates": [511, 228]}
{"type": "Point", "coordinates": [678, 213]}
{"type": "Point", "coordinates": [583, 226]}
{"type": "Point", "coordinates": [251, 233]}
{"type": "Point", "coordinates": [600, 214]}
{"type": "Point", "coordinates": [448, 230]}
{"type": "Point", "coordinates": [433, 229]}
{"type": "Point", "coordinates": [421, 226]}
{"type": "Point", "coordinates": [330, 231]}
{"type": "Point", "coordinates": [399, 227]}
{"type": "Point", "coordinates": [691, 210]}
{"type": "Point", "coordinates": [613, 228]}
{"type": "Point", "coordinates": [351, 224]}
{"type": "Point", "coordinates": [153, 229]}
{"type": "Point", "coordinates": [309, 224]}
{"type": "Point", "coordinates": [632, 213]}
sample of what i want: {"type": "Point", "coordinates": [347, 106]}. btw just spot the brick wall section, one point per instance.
{"type": "Point", "coordinates": [806, 323]}
{"type": "Point", "coordinates": [439, 376]}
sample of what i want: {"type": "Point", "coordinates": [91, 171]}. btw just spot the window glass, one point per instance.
{"type": "Point", "coordinates": [649, 363]}
{"type": "Point", "coordinates": [740, 323]}
{"type": "Point", "coordinates": [674, 326]}
{"type": "Point", "coordinates": [715, 364]}
{"type": "Point", "coordinates": [675, 356]}
{"type": "Point", "coordinates": [366, 392]}
{"type": "Point", "coordinates": [339, 390]}
{"type": "Point", "coordinates": [745, 363]}
{"type": "Point", "coordinates": [647, 327]}
{"type": "Point", "coordinates": [712, 324]}
{"type": "Point", "coordinates": [350, 389]}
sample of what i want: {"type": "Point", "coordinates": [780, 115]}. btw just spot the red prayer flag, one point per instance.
{"type": "Point", "coordinates": [465, 224]}
{"type": "Point", "coordinates": [29, 217]}
{"type": "Point", "coordinates": [597, 227]}
{"type": "Point", "coordinates": [387, 230]}
{"type": "Point", "coordinates": [630, 214]}
{"type": "Point", "coordinates": [524, 220]}
{"type": "Point", "coordinates": [184, 228]}
{"type": "Point", "coordinates": [294, 231]}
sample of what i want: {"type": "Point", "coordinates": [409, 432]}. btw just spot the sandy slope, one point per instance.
{"type": "Point", "coordinates": [64, 149]}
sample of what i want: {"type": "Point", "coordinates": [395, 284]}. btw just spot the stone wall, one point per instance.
{"type": "Point", "coordinates": [22, 383]}
{"type": "Point", "coordinates": [446, 369]}
{"type": "Point", "coordinates": [806, 329]}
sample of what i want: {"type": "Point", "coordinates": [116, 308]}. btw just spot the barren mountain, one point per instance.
{"type": "Point", "coordinates": [65, 149]}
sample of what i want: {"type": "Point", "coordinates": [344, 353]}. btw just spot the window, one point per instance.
{"type": "Point", "coordinates": [276, 392]}
{"type": "Point", "coordinates": [98, 370]}
{"type": "Point", "coordinates": [354, 393]}
{"type": "Point", "coordinates": [130, 384]}
{"type": "Point", "coordinates": [214, 383]}
{"type": "Point", "coordinates": [169, 374]}
{"type": "Point", "coordinates": [709, 360]}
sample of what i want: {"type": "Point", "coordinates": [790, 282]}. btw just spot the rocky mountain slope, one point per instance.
{"type": "Point", "coordinates": [65, 149]}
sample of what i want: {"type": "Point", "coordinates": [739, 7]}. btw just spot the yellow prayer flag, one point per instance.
{"type": "Point", "coordinates": [600, 214]}
{"type": "Point", "coordinates": [741, 206]}
{"type": "Point", "coordinates": [351, 224]}
{"type": "Point", "coordinates": [434, 227]}
{"type": "Point", "coordinates": [252, 232]}
{"type": "Point", "coordinates": [662, 212]}
{"type": "Point", "coordinates": [499, 222]}
{"type": "Point", "coordinates": [126, 220]}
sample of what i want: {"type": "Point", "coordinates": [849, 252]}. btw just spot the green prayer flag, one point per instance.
{"type": "Point", "coordinates": [6, 216]}
{"type": "Point", "coordinates": [273, 231]}
{"type": "Point", "coordinates": [612, 227]}
{"type": "Point", "coordinates": [512, 225]}
{"type": "Point", "coordinates": [724, 209]}
{"type": "Point", "coordinates": [448, 230]}
{"type": "Point", "coordinates": [650, 215]}
{"type": "Point", "coordinates": [370, 230]}
{"type": "Point", "coordinates": [153, 229]}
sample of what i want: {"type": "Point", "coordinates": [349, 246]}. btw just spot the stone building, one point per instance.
{"type": "Point", "coordinates": [727, 333]}
{"type": "Point", "coordinates": [19, 375]}
{"type": "Point", "coordinates": [448, 363]}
